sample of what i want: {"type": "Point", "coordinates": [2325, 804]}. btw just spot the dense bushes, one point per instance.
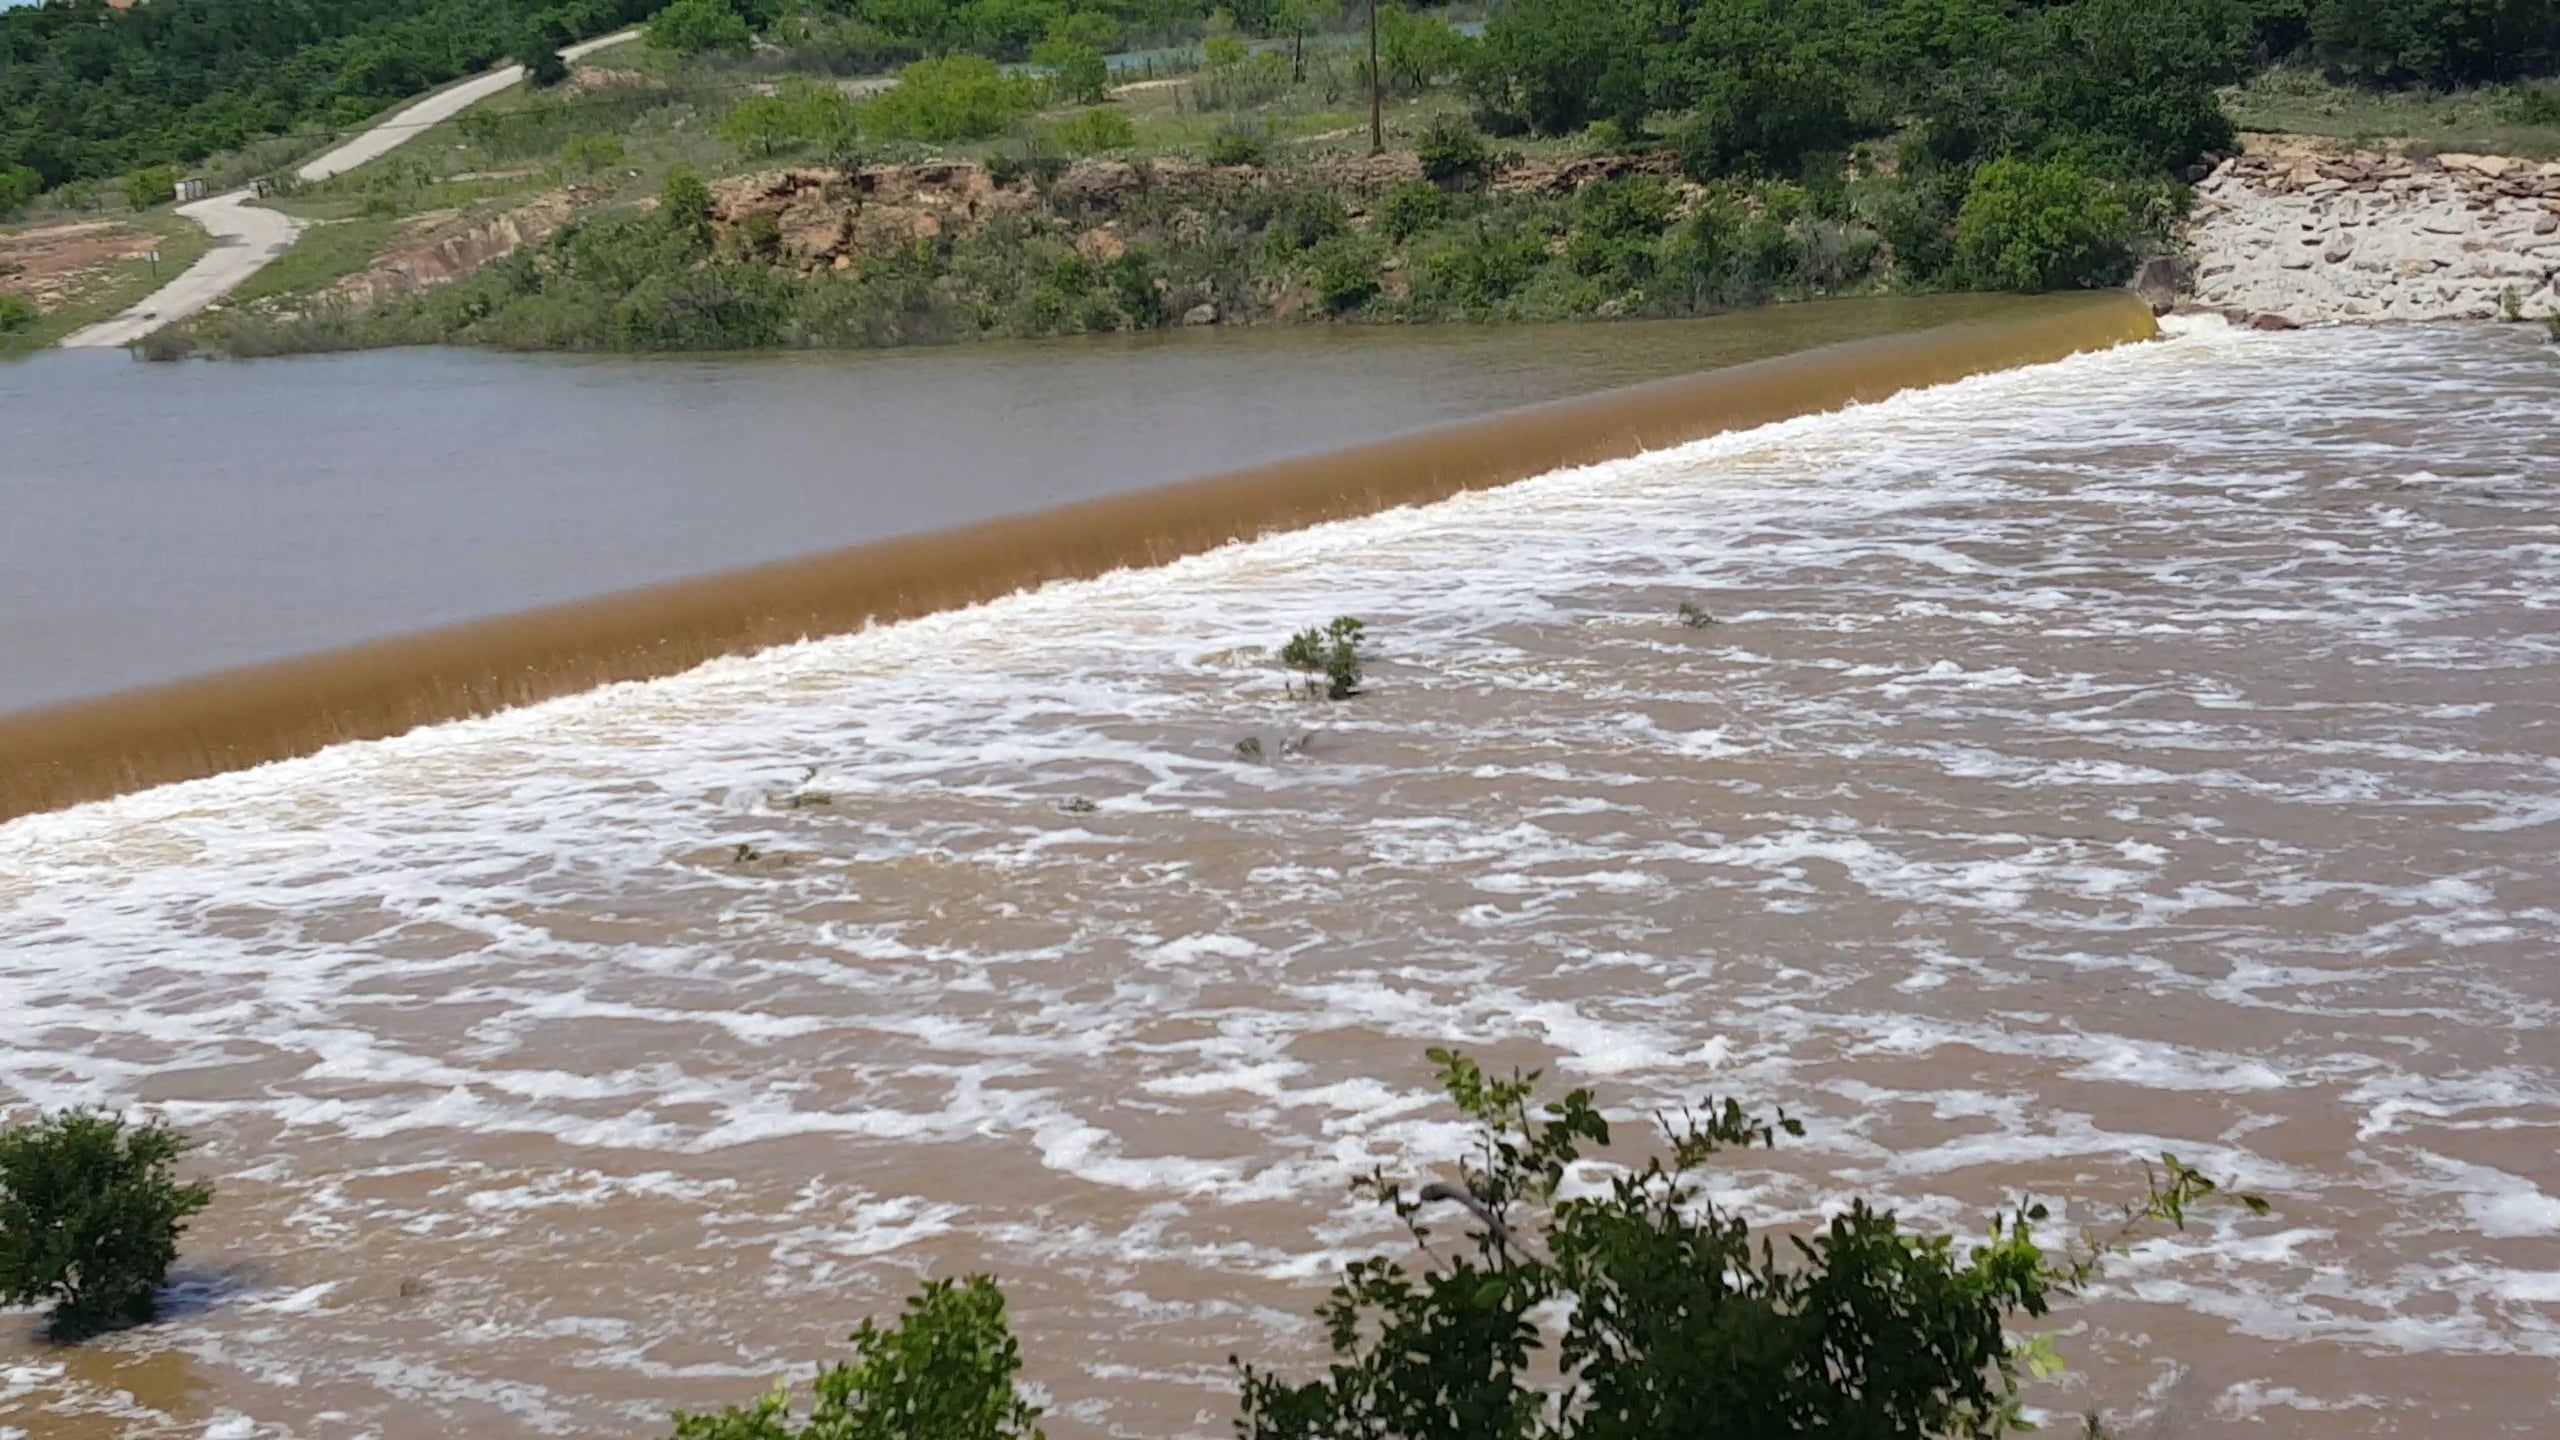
{"type": "Point", "coordinates": [18, 314]}
{"type": "Point", "coordinates": [961, 97]}
{"type": "Point", "coordinates": [699, 27]}
{"type": "Point", "coordinates": [90, 1217]}
{"type": "Point", "coordinates": [2027, 226]}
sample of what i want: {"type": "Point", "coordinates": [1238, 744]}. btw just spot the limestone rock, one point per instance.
{"type": "Point", "coordinates": [1201, 314]}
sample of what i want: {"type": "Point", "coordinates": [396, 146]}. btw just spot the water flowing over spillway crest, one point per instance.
{"type": "Point", "coordinates": [2150, 750]}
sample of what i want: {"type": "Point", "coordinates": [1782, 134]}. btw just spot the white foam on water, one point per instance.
{"type": "Point", "coordinates": [2133, 754]}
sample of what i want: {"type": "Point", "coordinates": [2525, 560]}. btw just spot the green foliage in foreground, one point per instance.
{"type": "Point", "coordinates": [90, 1217]}
{"type": "Point", "coordinates": [943, 1372]}
{"type": "Point", "coordinates": [1640, 1310]}
{"type": "Point", "coordinates": [18, 314]}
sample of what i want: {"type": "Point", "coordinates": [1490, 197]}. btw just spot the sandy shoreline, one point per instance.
{"type": "Point", "coordinates": [2293, 231]}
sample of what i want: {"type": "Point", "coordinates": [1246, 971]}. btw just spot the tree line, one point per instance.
{"type": "Point", "coordinates": [88, 92]}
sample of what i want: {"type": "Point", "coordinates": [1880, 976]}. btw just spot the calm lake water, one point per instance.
{"type": "Point", "coordinates": [159, 521]}
{"type": "Point", "coordinates": [2152, 751]}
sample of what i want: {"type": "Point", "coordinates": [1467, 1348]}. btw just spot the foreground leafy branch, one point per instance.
{"type": "Point", "coordinates": [1676, 1320]}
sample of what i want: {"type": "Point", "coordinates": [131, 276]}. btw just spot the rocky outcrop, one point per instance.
{"type": "Point", "coordinates": [816, 217]}
{"type": "Point", "coordinates": [2288, 232]}
{"type": "Point", "coordinates": [441, 258]}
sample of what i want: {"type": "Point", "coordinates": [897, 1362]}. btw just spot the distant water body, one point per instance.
{"type": "Point", "coordinates": [168, 520]}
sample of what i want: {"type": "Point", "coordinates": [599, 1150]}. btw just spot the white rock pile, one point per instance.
{"type": "Point", "coordinates": [2292, 236]}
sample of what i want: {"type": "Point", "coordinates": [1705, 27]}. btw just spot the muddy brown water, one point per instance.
{"type": "Point", "coordinates": [2146, 751]}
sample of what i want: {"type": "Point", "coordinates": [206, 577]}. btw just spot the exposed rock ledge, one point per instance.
{"type": "Point", "coordinates": [2290, 233]}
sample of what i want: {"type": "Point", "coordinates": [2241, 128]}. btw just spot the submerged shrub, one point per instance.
{"type": "Point", "coordinates": [90, 1217]}
{"type": "Point", "coordinates": [1333, 652]}
{"type": "Point", "coordinates": [945, 1371]}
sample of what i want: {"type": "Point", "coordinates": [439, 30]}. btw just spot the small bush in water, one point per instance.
{"type": "Point", "coordinates": [943, 1372]}
{"type": "Point", "coordinates": [1695, 618]}
{"type": "Point", "coordinates": [90, 1218]}
{"type": "Point", "coordinates": [1333, 652]}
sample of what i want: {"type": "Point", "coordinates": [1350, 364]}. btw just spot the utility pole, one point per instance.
{"type": "Point", "coordinates": [1377, 114]}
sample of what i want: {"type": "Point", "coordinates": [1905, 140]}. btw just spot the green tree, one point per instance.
{"type": "Point", "coordinates": [90, 1217]}
{"type": "Point", "coordinates": [801, 116]}
{"type": "Point", "coordinates": [1676, 1320]}
{"type": "Point", "coordinates": [958, 97]}
{"type": "Point", "coordinates": [945, 1371]}
{"type": "Point", "coordinates": [538, 48]}
{"type": "Point", "coordinates": [156, 185]}
{"type": "Point", "coordinates": [1091, 132]}
{"type": "Point", "coordinates": [19, 186]}
{"type": "Point", "coordinates": [2041, 226]}
{"type": "Point", "coordinates": [1079, 72]}
{"type": "Point", "coordinates": [699, 27]}
{"type": "Point", "coordinates": [1416, 52]}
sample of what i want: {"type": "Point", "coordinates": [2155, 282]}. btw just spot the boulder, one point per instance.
{"type": "Point", "coordinates": [1201, 314]}
{"type": "Point", "coordinates": [2158, 282]}
{"type": "Point", "coordinates": [2269, 320]}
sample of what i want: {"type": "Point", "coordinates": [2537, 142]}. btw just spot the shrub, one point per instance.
{"type": "Point", "coordinates": [1346, 275]}
{"type": "Point", "coordinates": [717, 307]}
{"type": "Point", "coordinates": [19, 186]}
{"type": "Point", "coordinates": [1333, 652]}
{"type": "Point", "coordinates": [684, 204]}
{"type": "Point", "coordinates": [1303, 220]}
{"type": "Point", "coordinates": [1416, 52]}
{"type": "Point", "coordinates": [1091, 132]}
{"type": "Point", "coordinates": [1675, 1319]}
{"type": "Point", "coordinates": [959, 97]}
{"type": "Point", "coordinates": [945, 1371]}
{"type": "Point", "coordinates": [18, 314]}
{"type": "Point", "coordinates": [157, 185]}
{"type": "Point", "coordinates": [90, 1217]}
{"type": "Point", "coordinates": [800, 117]}
{"type": "Point", "coordinates": [2049, 226]}
{"type": "Point", "coordinates": [699, 27]}
{"type": "Point", "coordinates": [537, 49]}
{"type": "Point", "coordinates": [590, 153]}
{"type": "Point", "coordinates": [1238, 143]}
{"type": "Point", "coordinates": [1453, 153]}
{"type": "Point", "coordinates": [1409, 210]}
{"type": "Point", "coordinates": [1078, 73]}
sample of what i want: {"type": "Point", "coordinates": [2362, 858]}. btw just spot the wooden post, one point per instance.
{"type": "Point", "coordinates": [1377, 120]}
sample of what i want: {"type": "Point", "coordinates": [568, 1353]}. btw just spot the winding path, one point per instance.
{"type": "Point", "coordinates": [248, 237]}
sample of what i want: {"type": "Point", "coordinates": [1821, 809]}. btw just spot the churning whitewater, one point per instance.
{"type": "Point", "coordinates": [2147, 751]}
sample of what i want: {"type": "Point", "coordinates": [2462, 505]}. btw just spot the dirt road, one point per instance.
{"type": "Point", "coordinates": [247, 236]}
